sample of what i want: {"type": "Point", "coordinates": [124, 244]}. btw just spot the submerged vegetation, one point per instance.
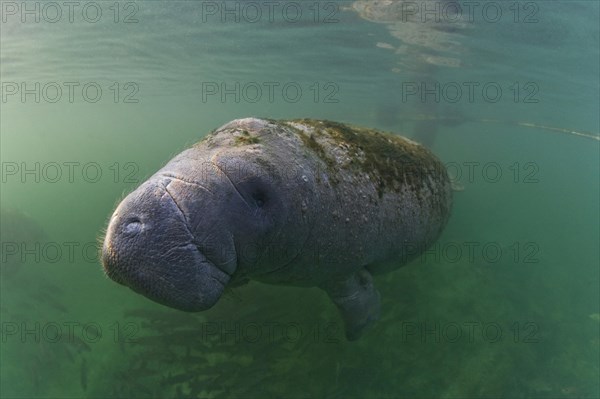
{"type": "Point", "coordinates": [285, 342]}
{"type": "Point", "coordinates": [458, 329]}
{"type": "Point", "coordinates": [447, 329]}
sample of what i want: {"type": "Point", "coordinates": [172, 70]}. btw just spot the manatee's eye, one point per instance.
{"type": "Point", "coordinates": [259, 197]}
{"type": "Point", "coordinates": [256, 191]}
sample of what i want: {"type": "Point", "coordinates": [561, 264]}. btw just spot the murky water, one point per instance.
{"type": "Point", "coordinates": [97, 96]}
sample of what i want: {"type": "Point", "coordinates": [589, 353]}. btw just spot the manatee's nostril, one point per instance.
{"type": "Point", "coordinates": [132, 227]}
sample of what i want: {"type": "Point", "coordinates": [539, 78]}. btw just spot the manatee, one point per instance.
{"type": "Point", "coordinates": [301, 202]}
{"type": "Point", "coordinates": [18, 232]}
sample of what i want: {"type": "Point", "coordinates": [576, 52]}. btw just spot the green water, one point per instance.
{"type": "Point", "coordinates": [506, 304]}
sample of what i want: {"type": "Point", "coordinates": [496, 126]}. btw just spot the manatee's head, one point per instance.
{"type": "Point", "coordinates": [175, 239]}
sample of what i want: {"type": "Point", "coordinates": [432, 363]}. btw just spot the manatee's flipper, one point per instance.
{"type": "Point", "coordinates": [357, 300]}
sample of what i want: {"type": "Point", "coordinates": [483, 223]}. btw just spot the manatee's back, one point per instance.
{"type": "Point", "coordinates": [354, 197]}
{"type": "Point", "coordinates": [382, 196]}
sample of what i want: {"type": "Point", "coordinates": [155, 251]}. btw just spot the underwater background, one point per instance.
{"type": "Point", "coordinates": [96, 96]}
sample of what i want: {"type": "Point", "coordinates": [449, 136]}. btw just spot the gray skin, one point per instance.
{"type": "Point", "coordinates": [302, 203]}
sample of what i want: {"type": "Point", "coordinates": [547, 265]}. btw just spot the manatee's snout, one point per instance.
{"type": "Point", "coordinates": [150, 248]}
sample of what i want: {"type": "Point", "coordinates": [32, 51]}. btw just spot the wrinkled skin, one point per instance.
{"type": "Point", "coordinates": [282, 203]}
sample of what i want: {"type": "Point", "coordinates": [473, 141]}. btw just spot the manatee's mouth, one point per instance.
{"type": "Point", "coordinates": [151, 263]}
{"type": "Point", "coordinates": [199, 290]}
